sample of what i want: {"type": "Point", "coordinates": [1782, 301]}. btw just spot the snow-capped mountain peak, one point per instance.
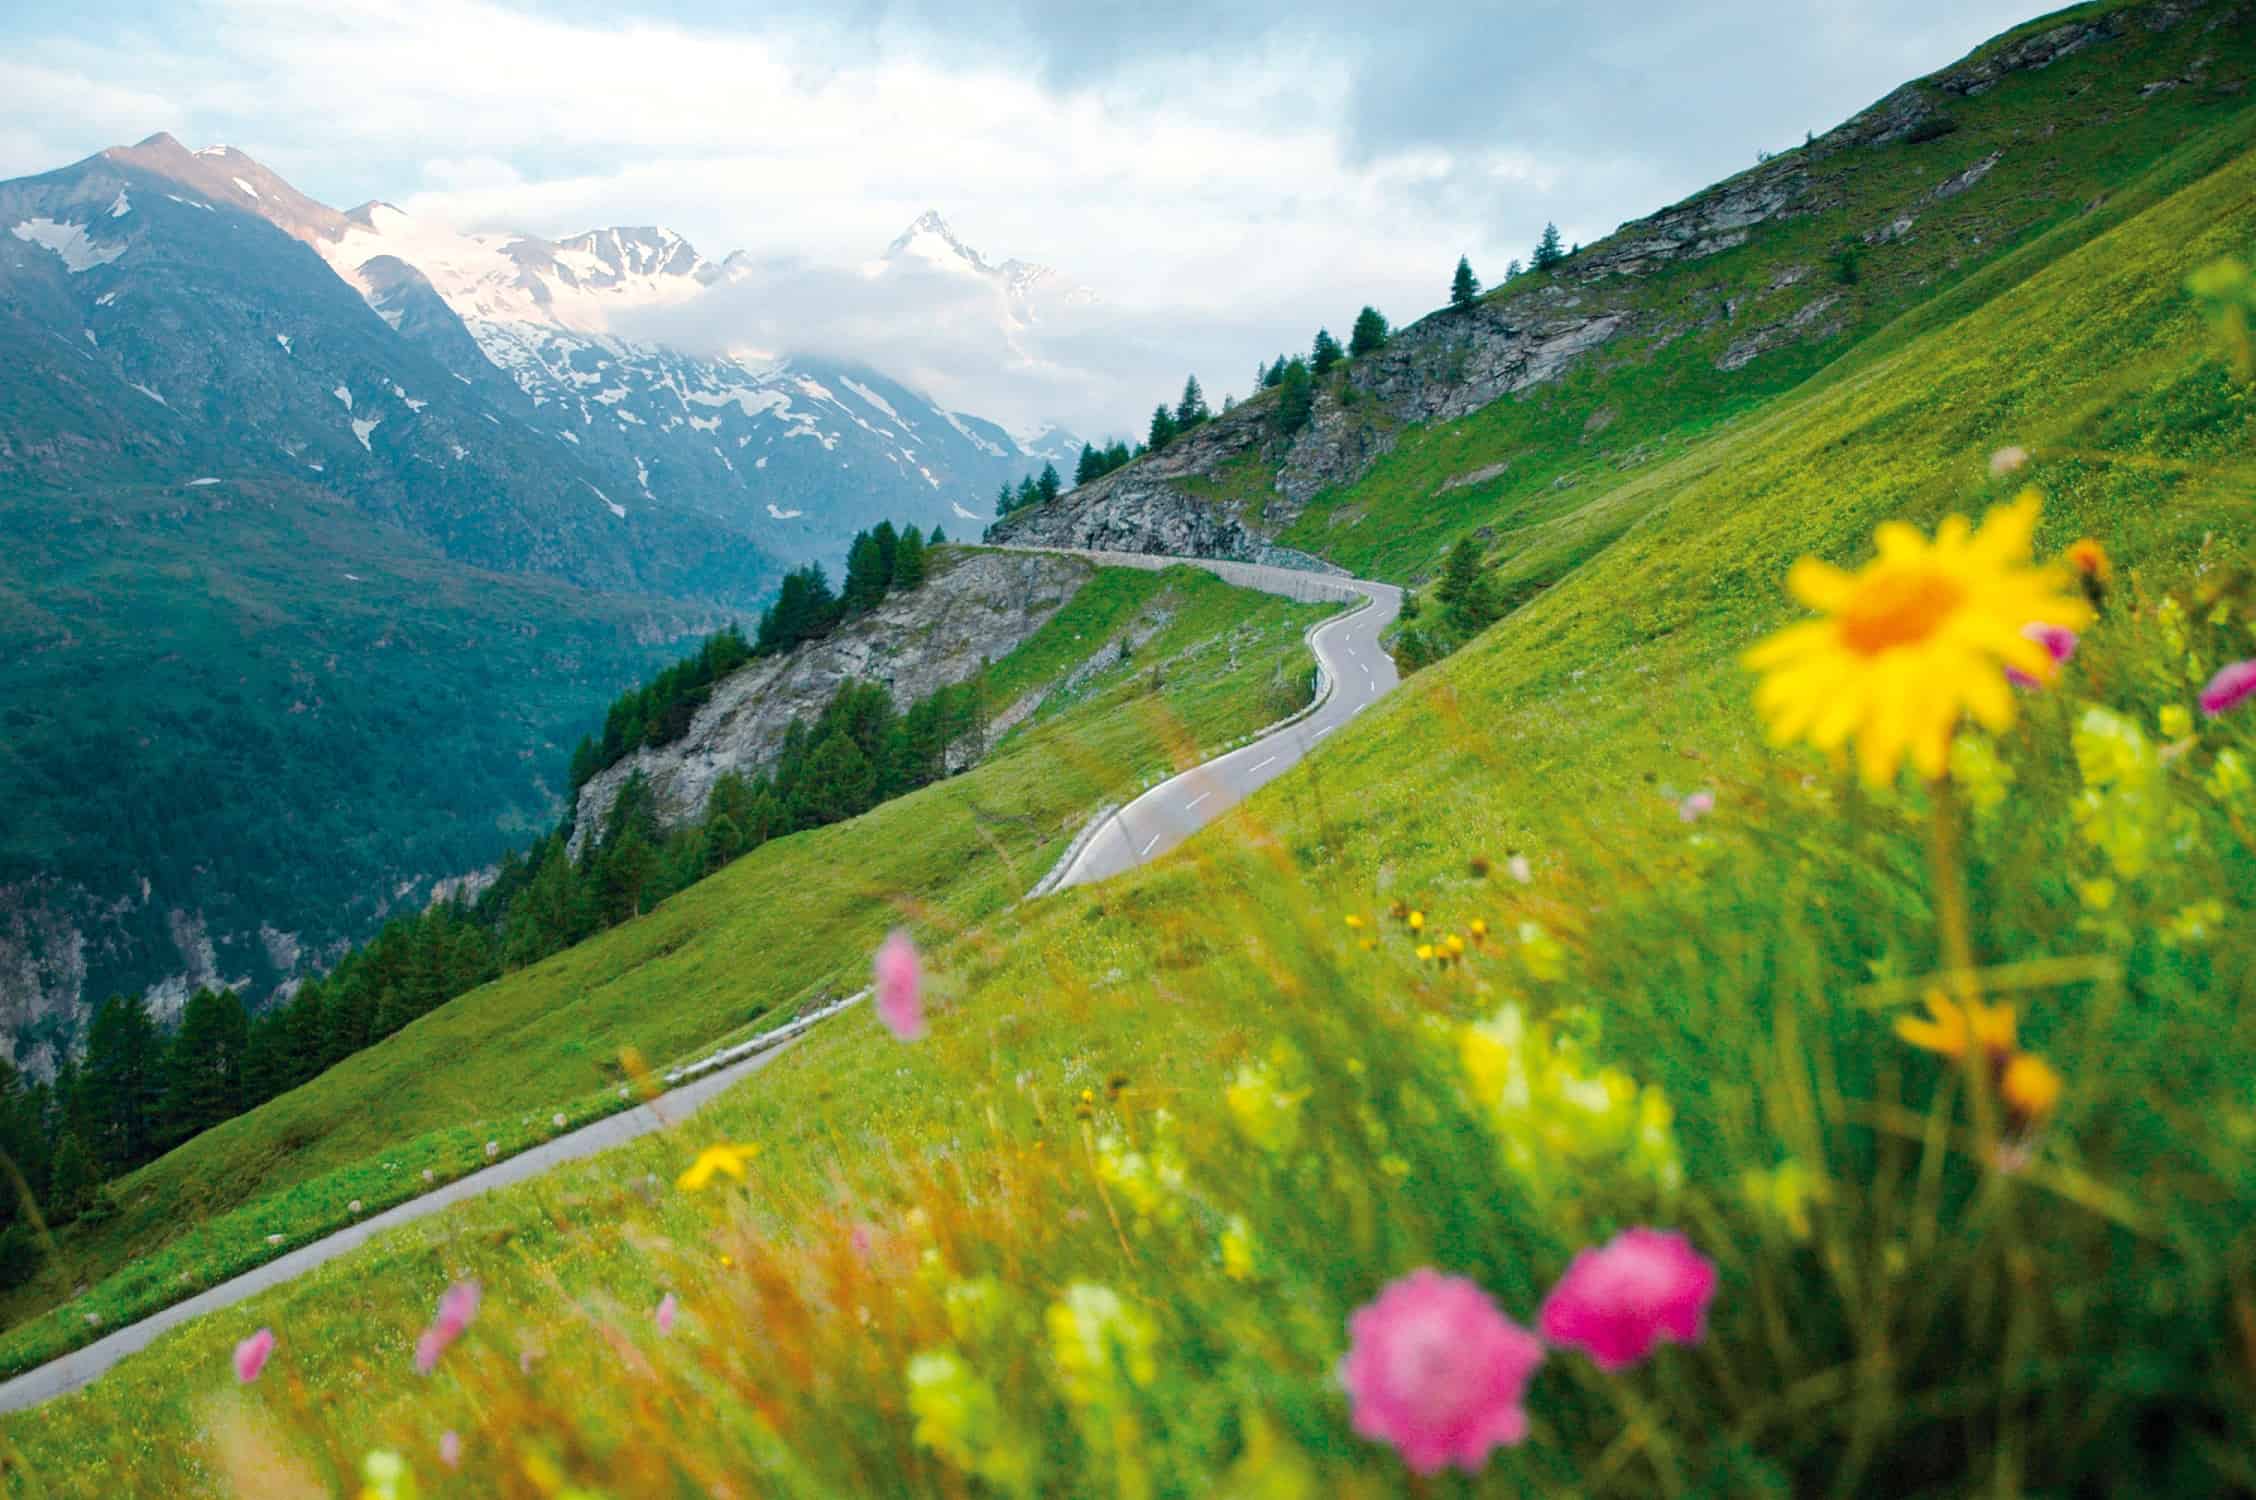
{"type": "Point", "coordinates": [928, 241]}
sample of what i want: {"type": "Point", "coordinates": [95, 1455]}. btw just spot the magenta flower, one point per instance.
{"type": "Point", "coordinates": [668, 1310]}
{"type": "Point", "coordinates": [450, 1448]}
{"type": "Point", "coordinates": [2231, 687]}
{"type": "Point", "coordinates": [1616, 1303]}
{"type": "Point", "coordinates": [2058, 641]}
{"type": "Point", "coordinates": [456, 1308]}
{"type": "Point", "coordinates": [1435, 1368]}
{"type": "Point", "coordinates": [900, 987]}
{"type": "Point", "coordinates": [251, 1355]}
{"type": "Point", "coordinates": [1697, 806]}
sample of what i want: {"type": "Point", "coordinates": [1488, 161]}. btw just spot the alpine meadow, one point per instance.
{"type": "Point", "coordinates": [1639, 885]}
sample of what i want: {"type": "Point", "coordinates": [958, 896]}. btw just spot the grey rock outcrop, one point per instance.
{"type": "Point", "coordinates": [977, 609]}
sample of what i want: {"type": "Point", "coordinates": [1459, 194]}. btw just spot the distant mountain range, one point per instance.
{"type": "Point", "coordinates": [329, 531]}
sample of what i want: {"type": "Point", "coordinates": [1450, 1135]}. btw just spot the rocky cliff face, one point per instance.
{"type": "Point", "coordinates": [976, 609]}
{"type": "Point", "coordinates": [1231, 486]}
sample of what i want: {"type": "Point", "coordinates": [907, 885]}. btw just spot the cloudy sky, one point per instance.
{"type": "Point", "coordinates": [1225, 176]}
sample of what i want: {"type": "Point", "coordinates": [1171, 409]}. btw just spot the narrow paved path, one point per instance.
{"type": "Point", "coordinates": [1353, 674]}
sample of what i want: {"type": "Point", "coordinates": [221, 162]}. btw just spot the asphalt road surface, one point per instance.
{"type": "Point", "coordinates": [1355, 674]}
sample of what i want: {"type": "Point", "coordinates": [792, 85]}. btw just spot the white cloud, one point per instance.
{"type": "Point", "coordinates": [1228, 179]}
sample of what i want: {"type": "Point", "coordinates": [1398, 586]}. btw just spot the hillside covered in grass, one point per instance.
{"type": "Point", "coordinates": [563, 1037]}
{"type": "Point", "coordinates": [1907, 1114]}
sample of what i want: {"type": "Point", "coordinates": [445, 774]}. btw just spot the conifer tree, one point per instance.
{"type": "Point", "coordinates": [908, 561]}
{"type": "Point", "coordinates": [938, 538]}
{"type": "Point", "coordinates": [124, 1081]}
{"type": "Point", "coordinates": [1274, 376]}
{"type": "Point", "coordinates": [1116, 455]}
{"type": "Point", "coordinates": [1514, 271]}
{"type": "Point", "coordinates": [866, 576]}
{"type": "Point", "coordinates": [73, 1181]}
{"type": "Point", "coordinates": [1048, 486]}
{"type": "Point", "coordinates": [888, 544]}
{"type": "Point", "coordinates": [1325, 353]}
{"type": "Point", "coordinates": [1162, 428]}
{"type": "Point", "coordinates": [1296, 398]}
{"type": "Point", "coordinates": [205, 1064]}
{"type": "Point", "coordinates": [1004, 505]}
{"type": "Point", "coordinates": [1087, 467]}
{"type": "Point", "coordinates": [1464, 287]}
{"type": "Point", "coordinates": [1369, 335]}
{"type": "Point", "coordinates": [836, 783]}
{"type": "Point", "coordinates": [1464, 588]}
{"type": "Point", "coordinates": [1191, 409]}
{"type": "Point", "coordinates": [1548, 250]}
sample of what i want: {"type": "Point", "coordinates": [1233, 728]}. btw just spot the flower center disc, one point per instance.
{"type": "Point", "coordinates": [1897, 609]}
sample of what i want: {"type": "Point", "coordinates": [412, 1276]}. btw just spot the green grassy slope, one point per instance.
{"type": "Point", "coordinates": [788, 923]}
{"type": "Point", "coordinates": [1729, 962]}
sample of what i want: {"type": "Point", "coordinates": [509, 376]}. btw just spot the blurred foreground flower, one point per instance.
{"type": "Point", "coordinates": [2231, 687]}
{"type": "Point", "coordinates": [1951, 1027]}
{"type": "Point", "coordinates": [2059, 643]}
{"type": "Point", "coordinates": [1913, 642]}
{"type": "Point", "coordinates": [1435, 1368]}
{"type": "Point", "coordinates": [456, 1308]}
{"type": "Point", "coordinates": [1616, 1303]}
{"type": "Point", "coordinates": [959, 1418]}
{"type": "Point", "coordinates": [715, 1161]}
{"type": "Point", "coordinates": [384, 1475]}
{"type": "Point", "coordinates": [900, 987]}
{"type": "Point", "coordinates": [668, 1309]}
{"type": "Point", "coordinates": [251, 1355]}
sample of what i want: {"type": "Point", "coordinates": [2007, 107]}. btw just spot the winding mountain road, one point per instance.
{"type": "Point", "coordinates": [1353, 674]}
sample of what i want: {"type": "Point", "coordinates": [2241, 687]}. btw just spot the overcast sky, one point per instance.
{"type": "Point", "coordinates": [1225, 176]}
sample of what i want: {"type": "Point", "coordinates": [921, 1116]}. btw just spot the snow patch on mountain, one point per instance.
{"type": "Point", "coordinates": [70, 242]}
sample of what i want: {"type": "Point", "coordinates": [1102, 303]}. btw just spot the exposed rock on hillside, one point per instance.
{"type": "Point", "coordinates": [977, 610]}
{"type": "Point", "coordinates": [1228, 488]}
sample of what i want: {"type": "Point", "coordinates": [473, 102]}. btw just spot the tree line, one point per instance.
{"type": "Point", "coordinates": [879, 561]}
{"type": "Point", "coordinates": [1034, 489]}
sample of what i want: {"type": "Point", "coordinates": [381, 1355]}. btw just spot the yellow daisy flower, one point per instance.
{"type": "Point", "coordinates": [1950, 1026]}
{"type": "Point", "coordinates": [1913, 642]}
{"type": "Point", "coordinates": [714, 1160]}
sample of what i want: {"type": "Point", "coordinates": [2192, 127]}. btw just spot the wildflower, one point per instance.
{"type": "Point", "coordinates": [715, 1160]}
{"type": "Point", "coordinates": [2059, 644]}
{"type": "Point", "coordinates": [900, 987]}
{"type": "Point", "coordinates": [1616, 1303]}
{"type": "Point", "coordinates": [1697, 806]}
{"type": "Point", "coordinates": [1455, 945]}
{"type": "Point", "coordinates": [2032, 1087]}
{"type": "Point", "coordinates": [959, 1417]}
{"type": "Point", "coordinates": [1785, 1193]}
{"type": "Point", "coordinates": [384, 1475]}
{"type": "Point", "coordinates": [2231, 687]}
{"type": "Point", "coordinates": [1913, 642]}
{"type": "Point", "coordinates": [1354, 921]}
{"type": "Point", "coordinates": [252, 1354]}
{"type": "Point", "coordinates": [450, 1448]}
{"type": "Point", "coordinates": [353, 1207]}
{"type": "Point", "coordinates": [2008, 460]}
{"type": "Point", "coordinates": [1545, 958]}
{"type": "Point", "coordinates": [1478, 927]}
{"type": "Point", "coordinates": [1435, 1368]}
{"type": "Point", "coordinates": [1521, 870]}
{"type": "Point", "coordinates": [557, 1119]}
{"type": "Point", "coordinates": [2090, 559]}
{"type": "Point", "coordinates": [669, 1308]}
{"type": "Point", "coordinates": [1417, 921]}
{"type": "Point", "coordinates": [1425, 952]}
{"type": "Point", "coordinates": [861, 1241]}
{"type": "Point", "coordinates": [2174, 721]}
{"type": "Point", "coordinates": [457, 1307]}
{"type": "Point", "coordinates": [1238, 1260]}
{"type": "Point", "coordinates": [1266, 1112]}
{"type": "Point", "coordinates": [1561, 1120]}
{"type": "Point", "coordinates": [493, 1149]}
{"type": "Point", "coordinates": [1096, 1338]}
{"type": "Point", "coordinates": [2230, 778]}
{"type": "Point", "coordinates": [1952, 1026]}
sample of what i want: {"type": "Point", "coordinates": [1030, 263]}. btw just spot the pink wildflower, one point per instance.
{"type": "Point", "coordinates": [1697, 806]}
{"type": "Point", "coordinates": [862, 1241]}
{"type": "Point", "coordinates": [1616, 1303]}
{"type": "Point", "coordinates": [251, 1355]}
{"type": "Point", "coordinates": [450, 1448]}
{"type": "Point", "coordinates": [1435, 1368]}
{"type": "Point", "coordinates": [2058, 641]}
{"type": "Point", "coordinates": [2231, 687]}
{"type": "Point", "coordinates": [456, 1308]}
{"type": "Point", "coordinates": [668, 1310]}
{"type": "Point", "coordinates": [900, 987]}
